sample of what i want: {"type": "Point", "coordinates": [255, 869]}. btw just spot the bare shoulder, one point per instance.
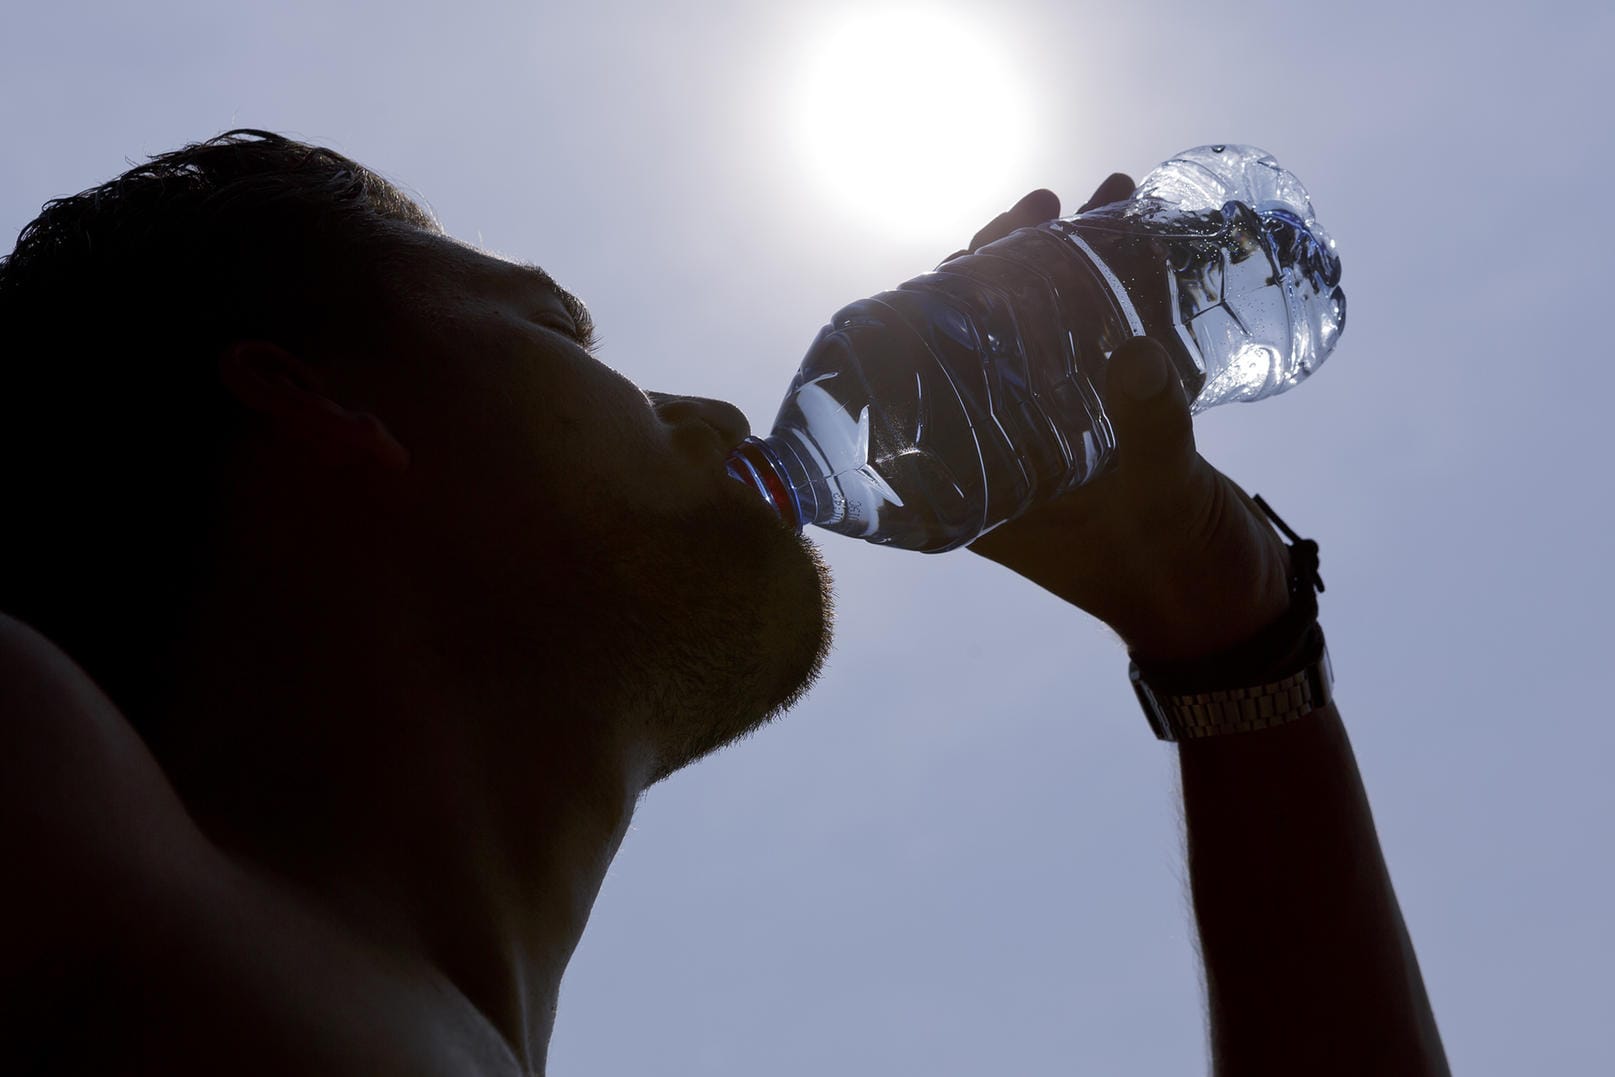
{"type": "Point", "coordinates": [129, 942]}
{"type": "Point", "coordinates": [91, 832]}
{"type": "Point", "coordinates": [82, 799]}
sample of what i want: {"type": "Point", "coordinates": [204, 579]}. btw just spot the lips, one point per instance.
{"type": "Point", "coordinates": [753, 464]}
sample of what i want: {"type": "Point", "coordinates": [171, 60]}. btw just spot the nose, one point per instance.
{"type": "Point", "coordinates": [728, 420]}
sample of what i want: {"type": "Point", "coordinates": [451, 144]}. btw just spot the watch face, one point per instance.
{"type": "Point", "coordinates": [1159, 724]}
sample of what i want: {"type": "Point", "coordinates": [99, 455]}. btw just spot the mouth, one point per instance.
{"type": "Point", "coordinates": [749, 502]}
{"type": "Point", "coordinates": [753, 464]}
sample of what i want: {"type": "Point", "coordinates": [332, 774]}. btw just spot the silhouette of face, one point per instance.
{"type": "Point", "coordinates": [584, 524]}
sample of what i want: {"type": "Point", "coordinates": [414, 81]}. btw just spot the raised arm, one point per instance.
{"type": "Point", "coordinates": [1309, 968]}
{"type": "Point", "coordinates": [1308, 965]}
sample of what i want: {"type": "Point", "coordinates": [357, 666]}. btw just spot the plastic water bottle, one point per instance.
{"type": "Point", "coordinates": [924, 417]}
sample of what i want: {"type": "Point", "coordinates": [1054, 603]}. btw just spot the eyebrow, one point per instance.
{"type": "Point", "coordinates": [574, 306]}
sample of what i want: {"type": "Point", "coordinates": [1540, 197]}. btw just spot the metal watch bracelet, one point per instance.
{"type": "Point", "coordinates": [1249, 709]}
{"type": "Point", "coordinates": [1281, 674]}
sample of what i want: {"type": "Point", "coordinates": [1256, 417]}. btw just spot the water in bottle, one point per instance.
{"type": "Point", "coordinates": [925, 416]}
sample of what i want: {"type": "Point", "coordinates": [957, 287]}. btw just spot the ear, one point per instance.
{"type": "Point", "coordinates": [293, 396]}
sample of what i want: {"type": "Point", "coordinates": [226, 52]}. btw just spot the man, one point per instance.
{"type": "Point", "coordinates": [353, 605]}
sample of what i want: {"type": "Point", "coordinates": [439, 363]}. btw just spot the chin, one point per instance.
{"type": "Point", "coordinates": [805, 623]}
{"type": "Point", "coordinates": [751, 644]}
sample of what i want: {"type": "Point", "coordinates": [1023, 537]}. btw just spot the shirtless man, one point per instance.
{"type": "Point", "coordinates": [350, 605]}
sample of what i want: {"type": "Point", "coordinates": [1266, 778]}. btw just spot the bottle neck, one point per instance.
{"type": "Point", "coordinates": [757, 464]}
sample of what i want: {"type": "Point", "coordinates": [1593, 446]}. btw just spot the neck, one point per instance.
{"type": "Point", "coordinates": [440, 811]}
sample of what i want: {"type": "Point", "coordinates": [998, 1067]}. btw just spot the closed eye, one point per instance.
{"type": "Point", "coordinates": [576, 324]}
{"type": "Point", "coordinates": [583, 336]}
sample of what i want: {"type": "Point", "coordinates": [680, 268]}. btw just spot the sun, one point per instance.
{"type": "Point", "coordinates": [910, 117]}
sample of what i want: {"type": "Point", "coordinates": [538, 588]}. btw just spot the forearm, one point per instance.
{"type": "Point", "coordinates": [1309, 968]}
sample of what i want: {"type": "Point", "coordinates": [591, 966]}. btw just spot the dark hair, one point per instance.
{"type": "Point", "coordinates": [113, 309]}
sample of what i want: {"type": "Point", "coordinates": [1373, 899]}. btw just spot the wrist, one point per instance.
{"type": "Point", "coordinates": [1215, 612]}
{"type": "Point", "coordinates": [1279, 674]}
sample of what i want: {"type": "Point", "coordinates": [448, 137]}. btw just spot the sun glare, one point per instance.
{"type": "Point", "coordinates": [912, 116]}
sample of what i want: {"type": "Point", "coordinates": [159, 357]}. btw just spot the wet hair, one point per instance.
{"type": "Point", "coordinates": [114, 307]}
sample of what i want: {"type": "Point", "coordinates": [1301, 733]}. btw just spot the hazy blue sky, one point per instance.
{"type": "Point", "coordinates": [961, 854]}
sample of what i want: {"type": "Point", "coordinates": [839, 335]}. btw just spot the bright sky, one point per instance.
{"type": "Point", "coordinates": [960, 855]}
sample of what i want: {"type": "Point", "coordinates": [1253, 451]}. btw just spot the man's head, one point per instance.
{"type": "Point", "coordinates": [255, 358]}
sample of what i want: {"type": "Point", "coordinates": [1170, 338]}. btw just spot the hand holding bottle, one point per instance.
{"type": "Point", "coordinates": [1165, 549]}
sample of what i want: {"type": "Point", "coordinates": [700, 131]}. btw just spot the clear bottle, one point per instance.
{"type": "Point", "coordinates": [924, 417]}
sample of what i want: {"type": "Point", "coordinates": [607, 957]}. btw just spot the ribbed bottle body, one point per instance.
{"type": "Point", "coordinates": [925, 416]}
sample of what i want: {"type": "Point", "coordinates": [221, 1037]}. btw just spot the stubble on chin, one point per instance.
{"type": "Point", "coordinates": [745, 624]}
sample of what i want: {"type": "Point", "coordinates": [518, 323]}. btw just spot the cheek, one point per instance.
{"type": "Point", "coordinates": [533, 437]}
{"type": "Point", "coordinates": [601, 431]}
{"type": "Point", "coordinates": [599, 453]}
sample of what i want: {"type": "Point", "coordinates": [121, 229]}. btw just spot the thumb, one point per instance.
{"type": "Point", "coordinates": [1150, 414]}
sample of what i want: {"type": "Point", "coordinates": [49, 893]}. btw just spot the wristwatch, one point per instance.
{"type": "Point", "coordinates": [1211, 712]}
{"type": "Point", "coordinates": [1281, 674]}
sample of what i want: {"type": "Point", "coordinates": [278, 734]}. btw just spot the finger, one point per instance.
{"type": "Point", "coordinates": [1150, 415]}
{"type": "Point", "coordinates": [1116, 188]}
{"type": "Point", "coordinates": [1034, 208]}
